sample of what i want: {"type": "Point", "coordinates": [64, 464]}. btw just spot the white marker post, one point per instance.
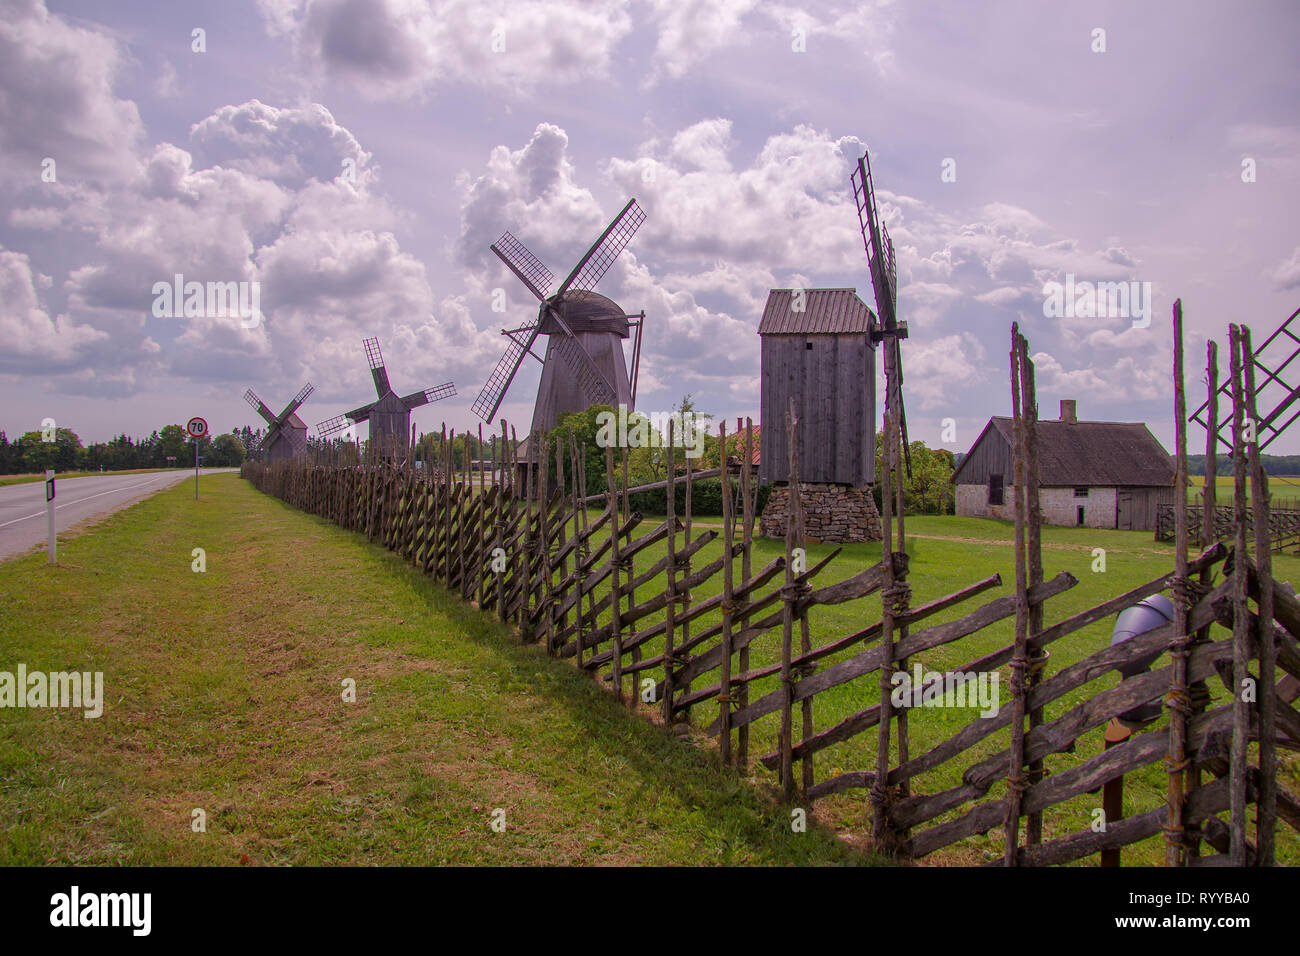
{"type": "Point", "coordinates": [197, 428]}
{"type": "Point", "coordinates": [49, 514]}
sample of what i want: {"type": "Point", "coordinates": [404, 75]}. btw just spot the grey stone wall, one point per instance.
{"type": "Point", "coordinates": [830, 513]}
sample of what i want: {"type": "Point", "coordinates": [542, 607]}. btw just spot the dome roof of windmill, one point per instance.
{"type": "Point", "coordinates": [585, 311]}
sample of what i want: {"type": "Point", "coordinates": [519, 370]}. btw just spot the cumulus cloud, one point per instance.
{"type": "Point", "coordinates": [35, 342]}
{"type": "Point", "coordinates": [1287, 274]}
{"type": "Point", "coordinates": [287, 146]}
{"type": "Point", "coordinates": [58, 99]}
{"type": "Point", "coordinates": [402, 48]}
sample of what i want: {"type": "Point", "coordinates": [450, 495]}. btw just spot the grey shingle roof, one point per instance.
{"type": "Point", "coordinates": [1097, 453]}
{"type": "Point", "coordinates": [826, 311]}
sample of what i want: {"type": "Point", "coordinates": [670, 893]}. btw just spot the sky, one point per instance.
{"type": "Point", "coordinates": [356, 158]}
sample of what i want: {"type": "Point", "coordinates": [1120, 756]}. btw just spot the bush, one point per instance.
{"type": "Point", "coordinates": [706, 499]}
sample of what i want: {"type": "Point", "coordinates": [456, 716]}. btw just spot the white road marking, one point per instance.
{"type": "Point", "coordinates": [100, 494]}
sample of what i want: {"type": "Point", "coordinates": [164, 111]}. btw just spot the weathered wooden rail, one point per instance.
{"type": "Point", "coordinates": [624, 599]}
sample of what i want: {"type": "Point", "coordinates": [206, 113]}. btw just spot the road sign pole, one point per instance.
{"type": "Point", "coordinates": [49, 515]}
{"type": "Point", "coordinates": [197, 428]}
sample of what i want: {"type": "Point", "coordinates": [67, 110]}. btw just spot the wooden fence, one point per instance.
{"type": "Point", "coordinates": [1284, 525]}
{"type": "Point", "coordinates": [584, 582]}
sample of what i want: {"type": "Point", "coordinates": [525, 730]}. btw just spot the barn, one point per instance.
{"type": "Point", "coordinates": [818, 348]}
{"type": "Point", "coordinates": [1091, 474]}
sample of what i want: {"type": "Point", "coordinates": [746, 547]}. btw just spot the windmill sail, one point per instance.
{"type": "Point", "coordinates": [494, 389]}
{"type": "Point", "coordinates": [524, 264]}
{"type": "Point", "coordinates": [604, 251]}
{"type": "Point", "coordinates": [884, 282]}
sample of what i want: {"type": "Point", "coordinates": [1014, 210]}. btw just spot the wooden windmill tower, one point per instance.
{"type": "Point", "coordinates": [286, 435]}
{"type": "Point", "coordinates": [819, 352]}
{"type": "Point", "coordinates": [584, 363]}
{"type": "Point", "coordinates": [389, 415]}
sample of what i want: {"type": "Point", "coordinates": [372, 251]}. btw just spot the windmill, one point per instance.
{"type": "Point", "coordinates": [389, 415]}
{"type": "Point", "coordinates": [286, 435]}
{"type": "Point", "coordinates": [584, 363]}
{"type": "Point", "coordinates": [884, 281]}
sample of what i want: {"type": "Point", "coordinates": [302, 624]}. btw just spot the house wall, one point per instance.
{"type": "Point", "coordinates": [1059, 506]}
{"type": "Point", "coordinates": [991, 455]}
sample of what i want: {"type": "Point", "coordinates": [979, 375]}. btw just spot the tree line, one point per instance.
{"type": "Point", "coordinates": [62, 449]}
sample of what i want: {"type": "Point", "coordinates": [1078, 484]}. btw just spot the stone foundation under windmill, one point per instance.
{"type": "Point", "coordinates": [831, 512]}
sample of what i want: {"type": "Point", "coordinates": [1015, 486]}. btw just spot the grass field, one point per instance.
{"type": "Point", "coordinates": [26, 479]}
{"type": "Point", "coordinates": [1285, 490]}
{"type": "Point", "coordinates": [948, 553]}
{"type": "Point", "coordinates": [223, 693]}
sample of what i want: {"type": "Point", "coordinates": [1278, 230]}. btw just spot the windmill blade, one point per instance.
{"type": "Point", "coordinates": [593, 382]}
{"type": "Point", "coordinates": [600, 257]}
{"type": "Point", "coordinates": [359, 415]}
{"type": "Point", "coordinates": [429, 395]}
{"type": "Point", "coordinates": [298, 399]}
{"type": "Point", "coordinates": [250, 396]}
{"type": "Point", "coordinates": [902, 409]}
{"type": "Point", "coordinates": [377, 370]}
{"type": "Point", "coordinates": [332, 425]}
{"type": "Point", "coordinates": [880, 248]}
{"type": "Point", "coordinates": [494, 389]}
{"type": "Point", "coordinates": [524, 264]}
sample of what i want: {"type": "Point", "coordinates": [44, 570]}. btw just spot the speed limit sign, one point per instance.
{"type": "Point", "coordinates": [197, 427]}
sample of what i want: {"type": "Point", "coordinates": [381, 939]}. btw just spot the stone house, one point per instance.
{"type": "Point", "coordinates": [1091, 474]}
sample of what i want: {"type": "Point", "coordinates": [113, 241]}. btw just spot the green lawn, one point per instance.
{"type": "Point", "coordinates": [948, 553]}
{"type": "Point", "coordinates": [223, 693]}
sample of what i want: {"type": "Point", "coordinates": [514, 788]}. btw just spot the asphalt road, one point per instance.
{"type": "Point", "coordinates": [22, 507]}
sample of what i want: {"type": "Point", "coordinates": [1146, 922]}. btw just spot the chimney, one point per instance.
{"type": "Point", "coordinates": [1067, 411]}
{"type": "Point", "coordinates": [740, 424]}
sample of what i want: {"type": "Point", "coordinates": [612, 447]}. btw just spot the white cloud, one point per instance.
{"type": "Point", "coordinates": [403, 48]}
{"type": "Point", "coordinates": [57, 99]}
{"type": "Point", "coordinates": [1287, 274]}
{"type": "Point", "coordinates": [35, 342]}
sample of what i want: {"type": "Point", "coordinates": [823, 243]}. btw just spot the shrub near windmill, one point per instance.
{"type": "Point", "coordinates": [584, 362]}
{"type": "Point", "coordinates": [389, 415]}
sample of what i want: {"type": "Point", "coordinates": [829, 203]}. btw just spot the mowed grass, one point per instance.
{"type": "Point", "coordinates": [946, 554]}
{"type": "Point", "coordinates": [224, 694]}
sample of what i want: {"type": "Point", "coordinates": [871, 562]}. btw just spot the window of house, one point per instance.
{"type": "Point", "coordinates": [1080, 492]}
{"type": "Point", "coordinates": [995, 489]}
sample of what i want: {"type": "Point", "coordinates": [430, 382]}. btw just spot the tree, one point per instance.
{"type": "Point", "coordinates": [172, 442]}
{"type": "Point", "coordinates": [36, 454]}
{"type": "Point", "coordinates": [929, 490]}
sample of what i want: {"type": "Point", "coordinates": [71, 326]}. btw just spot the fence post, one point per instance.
{"type": "Point", "coordinates": [670, 612]}
{"type": "Point", "coordinates": [1266, 815]}
{"type": "Point", "coordinates": [1240, 612]}
{"type": "Point", "coordinates": [1177, 699]}
{"type": "Point", "coordinates": [788, 599]}
{"type": "Point", "coordinates": [615, 597]}
{"type": "Point", "coordinates": [1019, 662]}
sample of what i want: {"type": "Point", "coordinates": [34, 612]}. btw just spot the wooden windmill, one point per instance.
{"type": "Point", "coordinates": [286, 434]}
{"type": "Point", "coordinates": [884, 280]}
{"type": "Point", "coordinates": [584, 363]}
{"type": "Point", "coordinates": [389, 415]}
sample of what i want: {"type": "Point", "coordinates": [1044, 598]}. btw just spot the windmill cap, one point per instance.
{"type": "Point", "coordinates": [585, 311]}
